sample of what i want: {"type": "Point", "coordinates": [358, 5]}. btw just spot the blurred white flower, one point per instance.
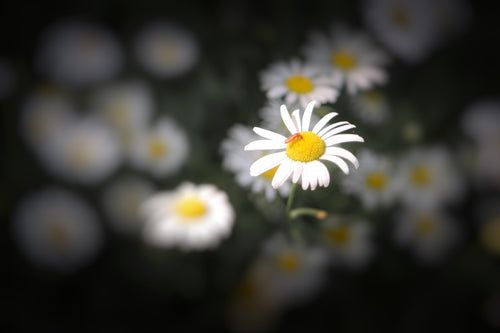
{"type": "Point", "coordinates": [430, 234]}
{"type": "Point", "coordinates": [84, 151]}
{"type": "Point", "coordinates": [121, 201]}
{"type": "Point", "coordinates": [301, 153]}
{"type": "Point", "coordinates": [373, 182]}
{"type": "Point", "coordinates": [8, 79]}
{"type": "Point", "coordinates": [300, 83]}
{"type": "Point", "coordinates": [55, 229]}
{"type": "Point", "coordinates": [350, 54]}
{"type": "Point", "coordinates": [77, 53]}
{"type": "Point", "coordinates": [370, 106]}
{"type": "Point", "coordinates": [165, 49]}
{"type": "Point", "coordinates": [349, 243]}
{"type": "Point", "coordinates": [161, 149]}
{"type": "Point", "coordinates": [192, 217]}
{"type": "Point", "coordinates": [428, 177]}
{"type": "Point", "coordinates": [238, 161]}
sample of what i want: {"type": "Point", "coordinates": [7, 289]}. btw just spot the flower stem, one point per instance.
{"type": "Point", "coordinates": [290, 199]}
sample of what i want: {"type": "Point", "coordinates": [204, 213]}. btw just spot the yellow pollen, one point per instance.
{"type": "Point", "coordinates": [338, 235]}
{"type": "Point", "coordinates": [376, 180]}
{"type": "Point", "coordinates": [269, 174]}
{"type": "Point", "coordinates": [190, 207]}
{"type": "Point", "coordinates": [158, 148]}
{"type": "Point", "coordinates": [343, 59]}
{"type": "Point", "coordinates": [288, 261]}
{"type": "Point", "coordinates": [307, 148]}
{"type": "Point", "coordinates": [299, 84]}
{"type": "Point", "coordinates": [426, 225]}
{"type": "Point", "coordinates": [420, 175]}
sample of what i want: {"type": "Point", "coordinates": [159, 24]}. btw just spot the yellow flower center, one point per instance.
{"type": "Point", "coordinates": [426, 225]}
{"type": "Point", "coordinates": [269, 174]}
{"type": "Point", "coordinates": [420, 175]}
{"type": "Point", "coordinates": [401, 18]}
{"type": "Point", "coordinates": [299, 84]}
{"type": "Point", "coordinates": [80, 153]}
{"type": "Point", "coordinates": [119, 112]}
{"type": "Point", "coordinates": [190, 207]}
{"type": "Point", "coordinates": [288, 261]}
{"type": "Point", "coordinates": [339, 235]}
{"type": "Point", "coordinates": [58, 235]}
{"type": "Point", "coordinates": [158, 148]}
{"type": "Point", "coordinates": [307, 147]}
{"type": "Point", "coordinates": [167, 51]}
{"type": "Point", "coordinates": [376, 180]}
{"type": "Point", "coordinates": [490, 235]}
{"type": "Point", "coordinates": [344, 60]}
{"type": "Point", "coordinates": [372, 96]}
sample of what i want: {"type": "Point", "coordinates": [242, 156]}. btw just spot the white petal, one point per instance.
{"type": "Point", "coordinates": [287, 120]}
{"type": "Point", "coordinates": [297, 171]}
{"type": "Point", "coordinates": [310, 170]}
{"type": "Point", "coordinates": [269, 134]}
{"type": "Point", "coordinates": [329, 127]}
{"type": "Point", "coordinates": [266, 162]}
{"type": "Point", "coordinates": [337, 130]}
{"type": "Point", "coordinates": [322, 173]}
{"type": "Point", "coordinates": [305, 177]}
{"type": "Point", "coordinates": [323, 121]}
{"type": "Point", "coordinates": [306, 118]}
{"type": "Point", "coordinates": [276, 92]}
{"type": "Point", "coordinates": [343, 153]}
{"type": "Point", "coordinates": [337, 160]}
{"type": "Point", "coordinates": [265, 145]}
{"type": "Point", "coordinates": [296, 116]}
{"type": "Point", "coordinates": [284, 171]}
{"type": "Point", "coordinates": [343, 138]}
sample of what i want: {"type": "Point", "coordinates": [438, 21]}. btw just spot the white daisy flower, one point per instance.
{"type": "Point", "coordinates": [160, 150]}
{"type": "Point", "coordinates": [121, 201]}
{"type": "Point", "coordinates": [56, 229]}
{"type": "Point", "coordinates": [428, 177]}
{"type": "Point", "coordinates": [238, 161]}
{"type": "Point", "coordinates": [297, 82]}
{"type": "Point", "coordinates": [373, 182]}
{"type": "Point", "coordinates": [43, 114]}
{"type": "Point", "coordinates": [430, 234]}
{"type": "Point", "coordinates": [193, 217]}
{"type": "Point", "coordinates": [8, 79]}
{"type": "Point", "coordinates": [78, 53]}
{"type": "Point", "coordinates": [302, 151]}
{"type": "Point", "coordinates": [350, 54]}
{"type": "Point", "coordinates": [84, 151]}
{"type": "Point", "coordinates": [349, 243]}
{"type": "Point", "coordinates": [165, 49]}
{"type": "Point", "coordinates": [370, 106]}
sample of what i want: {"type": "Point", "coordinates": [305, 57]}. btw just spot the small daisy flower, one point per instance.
{"type": "Point", "coordinates": [55, 229]}
{"type": "Point", "coordinates": [349, 243]}
{"type": "Point", "coordinates": [78, 53]}
{"type": "Point", "coordinates": [160, 150]}
{"type": "Point", "coordinates": [84, 151]}
{"type": "Point", "coordinates": [373, 182]}
{"type": "Point", "coordinates": [296, 82]}
{"type": "Point", "coordinates": [8, 79]}
{"type": "Point", "coordinates": [165, 49]}
{"type": "Point", "coordinates": [121, 201]}
{"type": "Point", "coordinates": [238, 161]}
{"type": "Point", "coordinates": [428, 177]}
{"type": "Point", "coordinates": [350, 54]}
{"type": "Point", "coordinates": [370, 106]}
{"type": "Point", "coordinates": [302, 152]}
{"type": "Point", "coordinates": [430, 234]}
{"type": "Point", "coordinates": [193, 217]}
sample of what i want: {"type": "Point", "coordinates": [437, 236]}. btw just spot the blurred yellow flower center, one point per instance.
{"type": "Point", "coordinates": [158, 148]}
{"type": "Point", "coordinates": [58, 234]}
{"type": "Point", "coordinates": [191, 206]}
{"type": "Point", "coordinates": [426, 225]}
{"type": "Point", "coordinates": [288, 261]}
{"type": "Point", "coordinates": [269, 174]}
{"type": "Point", "coordinates": [339, 235]}
{"type": "Point", "coordinates": [80, 153]}
{"type": "Point", "coordinates": [299, 84]}
{"type": "Point", "coordinates": [420, 175]}
{"type": "Point", "coordinates": [344, 60]}
{"type": "Point", "coordinates": [490, 235]}
{"type": "Point", "coordinates": [167, 51]}
{"type": "Point", "coordinates": [401, 18]}
{"type": "Point", "coordinates": [376, 180]}
{"type": "Point", "coordinates": [307, 147]}
{"type": "Point", "coordinates": [118, 112]}
{"type": "Point", "coordinates": [372, 96]}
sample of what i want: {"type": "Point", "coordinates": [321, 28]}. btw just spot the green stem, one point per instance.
{"type": "Point", "coordinates": [290, 199]}
{"type": "Point", "coordinates": [317, 213]}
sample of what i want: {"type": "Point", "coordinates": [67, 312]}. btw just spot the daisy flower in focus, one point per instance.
{"type": "Point", "coordinates": [162, 149]}
{"type": "Point", "coordinates": [121, 201]}
{"type": "Point", "coordinates": [165, 49]}
{"type": "Point", "coordinates": [373, 182]}
{"type": "Point", "coordinates": [350, 54]}
{"type": "Point", "coordinates": [301, 153]}
{"type": "Point", "coordinates": [429, 233]}
{"type": "Point", "coordinates": [54, 228]}
{"type": "Point", "coordinates": [370, 106]}
{"type": "Point", "coordinates": [192, 217]}
{"type": "Point", "coordinates": [349, 243]}
{"type": "Point", "coordinates": [238, 161]}
{"type": "Point", "coordinates": [76, 53]}
{"type": "Point", "coordinates": [296, 82]}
